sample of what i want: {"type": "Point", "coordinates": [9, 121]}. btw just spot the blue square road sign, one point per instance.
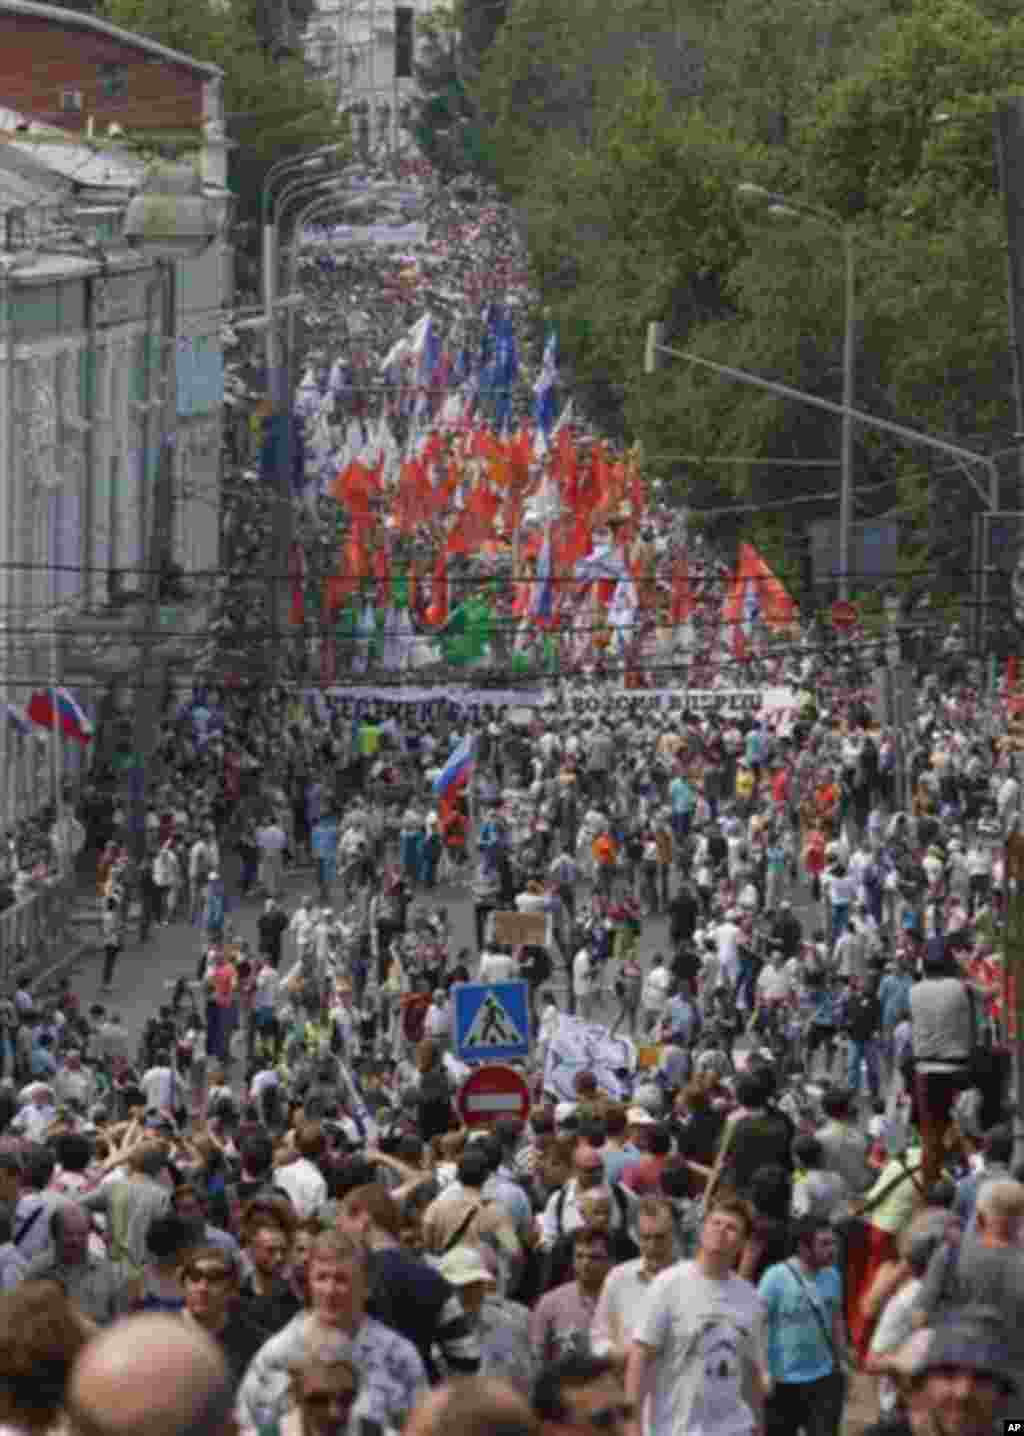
{"type": "Point", "coordinates": [492, 1021]}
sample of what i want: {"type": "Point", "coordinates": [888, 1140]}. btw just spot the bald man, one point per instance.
{"type": "Point", "coordinates": [150, 1373]}
{"type": "Point", "coordinates": [473, 1406]}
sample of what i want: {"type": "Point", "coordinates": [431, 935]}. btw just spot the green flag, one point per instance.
{"type": "Point", "coordinates": [467, 632]}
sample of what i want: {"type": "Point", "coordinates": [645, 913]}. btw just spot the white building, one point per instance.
{"type": "Point", "coordinates": [99, 383]}
{"type": "Point", "coordinates": [355, 45]}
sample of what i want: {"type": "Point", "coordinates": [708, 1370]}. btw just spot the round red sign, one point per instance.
{"type": "Point", "coordinates": [491, 1092]}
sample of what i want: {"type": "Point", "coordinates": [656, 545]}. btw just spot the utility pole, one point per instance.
{"type": "Point", "coordinates": [1009, 127]}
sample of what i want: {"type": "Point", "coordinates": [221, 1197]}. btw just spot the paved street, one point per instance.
{"type": "Point", "coordinates": [147, 970]}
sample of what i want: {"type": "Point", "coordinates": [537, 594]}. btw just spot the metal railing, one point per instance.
{"type": "Point", "coordinates": [35, 932]}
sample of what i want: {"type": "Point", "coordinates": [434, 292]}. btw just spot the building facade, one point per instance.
{"type": "Point", "coordinates": [65, 67]}
{"type": "Point", "coordinates": [368, 50]}
{"type": "Point", "coordinates": [105, 383]}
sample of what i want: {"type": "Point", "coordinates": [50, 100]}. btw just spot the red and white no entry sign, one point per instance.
{"type": "Point", "coordinates": [491, 1092]}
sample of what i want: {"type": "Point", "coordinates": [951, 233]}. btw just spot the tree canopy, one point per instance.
{"type": "Point", "coordinates": [623, 131]}
{"type": "Point", "coordinates": [273, 106]}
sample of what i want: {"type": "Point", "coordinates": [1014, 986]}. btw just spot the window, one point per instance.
{"type": "Point", "coordinates": [70, 102]}
{"type": "Point", "coordinates": [113, 78]}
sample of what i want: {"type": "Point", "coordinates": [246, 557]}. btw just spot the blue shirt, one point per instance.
{"type": "Point", "coordinates": [827, 1010]}
{"type": "Point", "coordinates": [800, 1309]}
{"type": "Point", "coordinates": [681, 796]}
{"type": "Point", "coordinates": [894, 997]}
{"type": "Point", "coordinates": [41, 1062]}
{"type": "Point", "coordinates": [680, 1018]}
{"type": "Point", "coordinates": [618, 1160]}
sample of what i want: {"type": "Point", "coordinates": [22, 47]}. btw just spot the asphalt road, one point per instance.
{"type": "Point", "coordinates": [146, 971]}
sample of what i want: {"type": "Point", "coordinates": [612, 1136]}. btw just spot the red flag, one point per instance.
{"type": "Point", "coordinates": [382, 576]}
{"type": "Point", "coordinates": [755, 588]}
{"type": "Point", "coordinates": [437, 613]}
{"type": "Point", "coordinates": [683, 601]}
{"type": "Point", "coordinates": [328, 661]}
{"type": "Point", "coordinates": [297, 574]}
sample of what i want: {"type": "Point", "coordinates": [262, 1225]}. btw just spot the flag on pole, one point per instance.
{"type": "Point", "coordinates": [755, 595]}
{"type": "Point", "coordinates": [456, 771]}
{"type": "Point", "coordinates": [542, 605]}
{"type": "Point", "coordinates": [683, 601]}
{"type": "Point", "coordinates": [52, 706]}
{"type": "Point", "coordinates": [544, 389]}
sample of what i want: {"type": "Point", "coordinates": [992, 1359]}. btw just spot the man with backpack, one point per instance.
{"type": "Point", "coordinates": [563, 1214]}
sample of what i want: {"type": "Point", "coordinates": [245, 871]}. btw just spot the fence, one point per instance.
{"type": "Point", "coordinates": [35, 932]}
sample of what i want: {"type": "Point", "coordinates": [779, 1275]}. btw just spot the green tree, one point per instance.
{"type": "Point", "coordinates": [273, 107]}
{"type": "Point", "coordinates": [556, 66]}
{"type": "Point", "coordinates": [445, 120]}
{"type": "Point", "coordinates": [918, 113]}
{"type": "Point", "coordinates": [640, 224]}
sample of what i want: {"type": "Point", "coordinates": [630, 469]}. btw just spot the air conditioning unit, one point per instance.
{"type": "Point", "coordinates": [71, 102]}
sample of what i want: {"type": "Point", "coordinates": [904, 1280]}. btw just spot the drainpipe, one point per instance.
{"type": "Point", "coordinates": [8, 543]}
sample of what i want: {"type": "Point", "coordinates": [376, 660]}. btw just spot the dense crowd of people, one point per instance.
{"type": "Point", "coordinates": [807, 1171]}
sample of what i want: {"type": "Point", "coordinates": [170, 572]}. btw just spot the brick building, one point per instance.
{"type": "Point", "coordinates": [67, 68]}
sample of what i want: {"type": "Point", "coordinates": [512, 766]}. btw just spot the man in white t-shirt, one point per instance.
{"type": "Point", "coordinates": [699, 1351]}
{"type": "Point", "coordinates": [654, 994]}
{"type": "Point", "coordinates": [727, 942]}
{"type": "Point", "coordinates": [161, 1086]}
{"type": "Point", "coordinates": [497, 967]}
{"type": "Point", "coordinates": [583, 984]}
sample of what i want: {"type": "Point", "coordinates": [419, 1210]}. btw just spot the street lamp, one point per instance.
{"type": "Point", "coordinates": [309, 162]}
{"type": "Point", "coordinates": [785, 207]}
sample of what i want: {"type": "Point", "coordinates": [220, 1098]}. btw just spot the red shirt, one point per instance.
{"type": "Point", "coordinates": [644, 1177]}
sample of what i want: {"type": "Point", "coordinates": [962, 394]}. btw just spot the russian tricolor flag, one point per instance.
{"type": "Point", "coordinates": [71, 717]}
{"type": "Point", "coordinates": [458, 767]}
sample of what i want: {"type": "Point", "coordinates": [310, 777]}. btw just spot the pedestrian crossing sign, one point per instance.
{"type": "Point", "coordinates": [492, 1021]}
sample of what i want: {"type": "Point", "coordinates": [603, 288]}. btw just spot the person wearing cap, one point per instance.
{"type": "Point", "coordinates": [501, 1326]}
{"type": "Point", "coordinates": [958, 1377]}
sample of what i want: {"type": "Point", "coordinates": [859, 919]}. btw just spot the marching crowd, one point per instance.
{"type": "Point", "coordinates": [269, 1212]}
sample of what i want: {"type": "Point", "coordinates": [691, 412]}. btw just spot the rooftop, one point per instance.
{"type": "Point", "coordinates": [76, 19]}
